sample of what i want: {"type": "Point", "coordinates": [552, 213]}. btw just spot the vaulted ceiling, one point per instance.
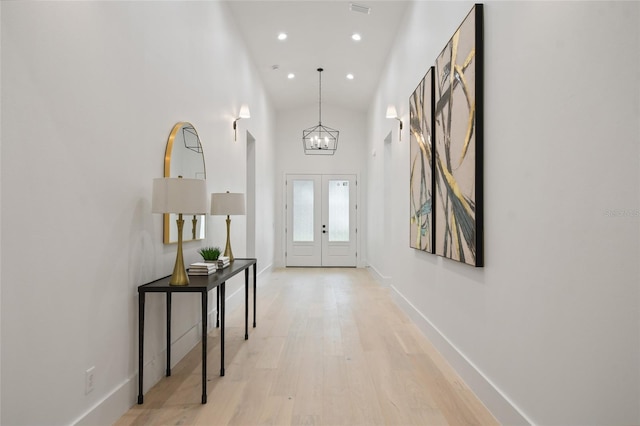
{"type": "Point", "coordinates": [319, 34]}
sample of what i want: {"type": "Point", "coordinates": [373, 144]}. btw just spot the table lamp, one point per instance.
{"type": "Point", "coordinates": [226, 203]}
{"type": "Point", "coordinates": [181, 196]}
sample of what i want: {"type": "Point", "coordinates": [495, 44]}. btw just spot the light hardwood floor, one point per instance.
{"type": "Point", "coordinates": [330, 348]}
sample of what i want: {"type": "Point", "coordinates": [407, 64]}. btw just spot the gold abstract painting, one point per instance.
{"type": "Point", "coordinates": [458, 144]}
{"type": "Point", "coordinates": [421, 165]}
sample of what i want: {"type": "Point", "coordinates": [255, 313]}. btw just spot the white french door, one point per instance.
{"type": "Point", "coordinates": [321, 220]}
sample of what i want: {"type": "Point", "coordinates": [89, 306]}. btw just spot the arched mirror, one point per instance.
{"type": "Point", "coordinates": [184, 157]}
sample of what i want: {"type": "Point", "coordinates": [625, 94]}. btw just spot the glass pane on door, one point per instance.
{"type": "Point", "coordinates": [338, 210]}
{"type": "Point", "coordinates": [302, 210]}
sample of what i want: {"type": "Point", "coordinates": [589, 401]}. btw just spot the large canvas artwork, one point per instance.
{"type": "Point", "coordinates": [421, 106]}
{"type": "Point", "coordinates": [458, 143]}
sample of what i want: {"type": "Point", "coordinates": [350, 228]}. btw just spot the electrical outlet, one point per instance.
{"type": "Point", "coordinates": [89, 380]}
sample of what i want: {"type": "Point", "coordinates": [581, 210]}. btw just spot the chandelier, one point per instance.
{"type": "Point", "coordinates": [320, 140]}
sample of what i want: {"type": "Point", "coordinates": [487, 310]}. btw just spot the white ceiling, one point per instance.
{"type": "Point", "coordinates": [319, 35]}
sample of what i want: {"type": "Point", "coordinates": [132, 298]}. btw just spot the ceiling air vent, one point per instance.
{"type": "Point", "coordinates": [354, 7]}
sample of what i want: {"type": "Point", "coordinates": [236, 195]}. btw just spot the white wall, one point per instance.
{"type": "Point", "coordinates": [0, 216]}
{"type": "Point", "coordinates": [348, 158]}
{"type": "Point", "coordinates": [90, 92]}
{"type": "Point", "coordinates": [548, 331]}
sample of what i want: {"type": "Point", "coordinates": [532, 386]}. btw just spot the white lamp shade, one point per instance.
{"type": "Point", "coordinates": [391, 112]}
{"type": "Point", "coordinates": [244, 112]}
{"type": "Point", "coordinates": [227, 203]}
{"type": "Point", "coordinates": [179, 195]}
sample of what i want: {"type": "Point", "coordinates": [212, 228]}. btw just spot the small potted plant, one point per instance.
{"type": "Point", "coordinates": [210, 254]}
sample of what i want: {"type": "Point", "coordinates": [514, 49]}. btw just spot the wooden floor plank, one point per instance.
{"type": "Point", "coordinates": [336, 404]}
{"type": "Point", "coordinates": [330, 348]}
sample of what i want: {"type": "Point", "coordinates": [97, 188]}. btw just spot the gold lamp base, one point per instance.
{"type": "Point", "coordinates": [179, 276]}
{"type": "Point", "coordinates": [227, 249]}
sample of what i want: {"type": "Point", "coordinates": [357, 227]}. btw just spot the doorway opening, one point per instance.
{"type": "Point", "coordinates": [251, 196]}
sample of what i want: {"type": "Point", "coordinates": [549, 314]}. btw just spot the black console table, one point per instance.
{"type": "Point", "coordinates": [202, 285]}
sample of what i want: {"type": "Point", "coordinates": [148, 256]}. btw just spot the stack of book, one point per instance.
{"type": "Point", "coordinates": [223, 262]}
{"type": "Point", "coordinates": [202, 268]}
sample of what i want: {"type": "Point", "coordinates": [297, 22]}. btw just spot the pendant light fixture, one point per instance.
{"type": "Point", "coordinates": [320, 140]}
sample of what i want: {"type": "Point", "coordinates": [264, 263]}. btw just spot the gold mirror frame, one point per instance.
{"type": "Point", "coordinates": [185, 149]}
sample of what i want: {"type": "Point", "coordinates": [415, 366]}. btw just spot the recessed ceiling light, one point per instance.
{"type": "Point", "coordinates": [291, 75]}
{"type": "Point", "coordinates": [356, 37]}
{"type": "Point", "coordinates": [282, 36]}
{"type": "Point", "coordinates": [350, 76]}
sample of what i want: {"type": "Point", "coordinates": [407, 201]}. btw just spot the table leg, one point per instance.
{"type": "Point", "coordinates": [140, 345]}
{"type": "Point", "coordinates": [222, 309]}
{"type": "Point", "coordinates": [168, 334]}
{"type": "Point", "coordinates": [205, 300]}
{"type": "Point", "coordinates": [218, 306]}
{"type": "Point", "coordinates": [255, 265]}
{"type": "Point", "coordinates": [246, 304]}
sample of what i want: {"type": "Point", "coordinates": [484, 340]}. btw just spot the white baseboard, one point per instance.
{"type": "Point", "coordinates": [266, 269]}
{"type": "Point", "coordinates": [113, 406]}
{"type": "Point", "coordinates": [502, 408]}
{"type": "Point", "coordinates": [377, 275]}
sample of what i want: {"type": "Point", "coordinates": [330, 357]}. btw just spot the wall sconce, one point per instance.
{"type": "Point", "coordinates": [244, 113]}
{"type": "Point", "coordinates": [392, 113]}
{"type": "Point", "coordinates": [181, 196]}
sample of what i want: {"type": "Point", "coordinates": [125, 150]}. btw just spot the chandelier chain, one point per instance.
{"type": "Point", "coordinates": [320, 96]}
